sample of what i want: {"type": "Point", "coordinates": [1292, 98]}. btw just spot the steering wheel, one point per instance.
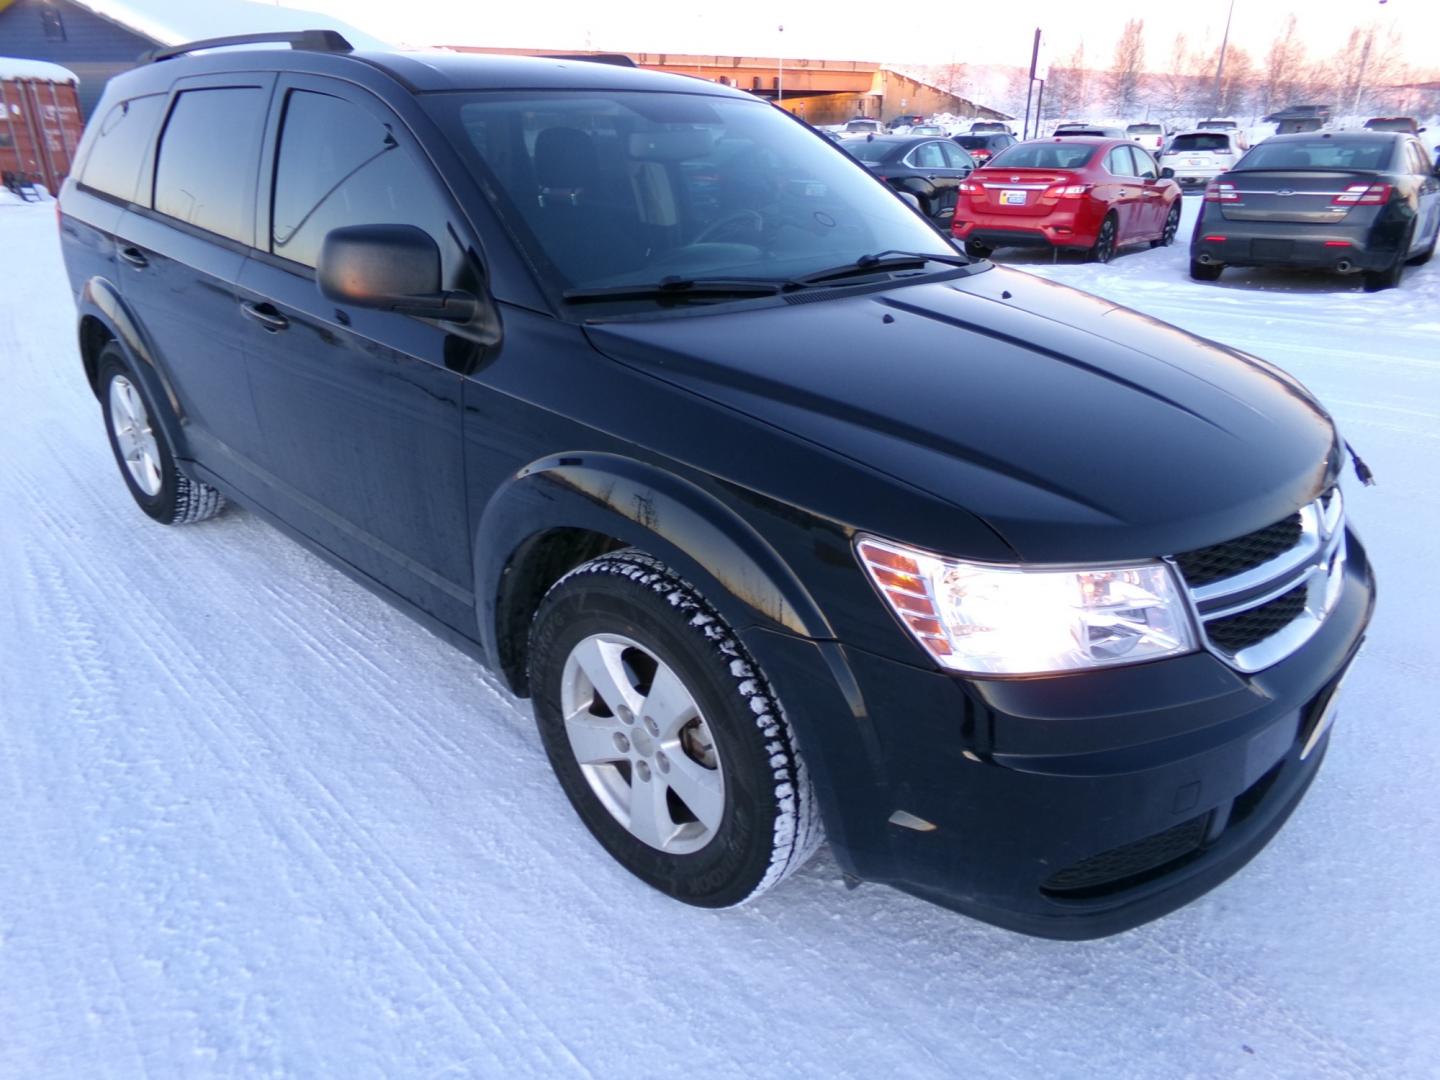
{"type": "Point", "coordinates": [732, 218]}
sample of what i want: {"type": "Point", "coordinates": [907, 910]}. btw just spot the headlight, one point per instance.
{"type": "Point", "coordinates": [1011, 620]}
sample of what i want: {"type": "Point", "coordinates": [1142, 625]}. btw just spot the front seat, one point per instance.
{"type": "Point", "coordinates": [588, 236]}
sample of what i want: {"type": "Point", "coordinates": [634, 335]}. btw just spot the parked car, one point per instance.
{"type": "Point", "coordinates": [984, 146]}
{"type": "Point", "coordinates": [926, 129]}
{"type": "Point", "coordinates": [1353, 202]}
{"type": "Point", "coordinates": [1094, 195]}
{"type": "Point", "coordinates": [1197, 157]}
{"type": "Point", "coordinates": [780, 509]}
{"type": "Point", "coordinates": [1071, 126]}
{"type": "Point", "coordinates": [990, 127]}
{"type": "Point", "coordinates": [1229, 125]}
{"type": "Point", "coordinates": [1091, 131]}
{"type": "Point", "coordinates": [1406, 124]}
{"type": "Point", "coordinates": [904, 120]}
{"type": "Point", "coordinates": [928, 168]}
{"type": "Point", "coordinates": [860, 127]}
{"type": "Point", "coordinates": [1150, 136]}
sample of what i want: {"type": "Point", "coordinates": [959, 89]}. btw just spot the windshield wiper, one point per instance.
{"type": "Point", "coordinates": [881, 261]}
{"type": "Point", "coordinates": [676, 288]}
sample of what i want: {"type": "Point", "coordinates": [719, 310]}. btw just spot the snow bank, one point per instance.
{"type": "Point", "coordinates": [12, 67]}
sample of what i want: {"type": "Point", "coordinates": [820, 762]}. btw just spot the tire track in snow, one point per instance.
{"type": "Point", "coordinates": [403, 893]}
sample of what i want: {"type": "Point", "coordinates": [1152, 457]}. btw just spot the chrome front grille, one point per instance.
{"type": "Point", "coordinates": [1262, 596]}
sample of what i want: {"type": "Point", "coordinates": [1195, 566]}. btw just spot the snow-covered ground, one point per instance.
{"type": "Point", "coordinates": [253, 822]}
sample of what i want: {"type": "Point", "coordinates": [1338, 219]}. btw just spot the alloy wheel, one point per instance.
{"type": "Point", "coordinates": [130, 423]}
{"type": "Point", "coordinates": [642, 743]}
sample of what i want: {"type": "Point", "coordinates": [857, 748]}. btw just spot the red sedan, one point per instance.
{"type": "Point", "coordinates": [1093, 194]}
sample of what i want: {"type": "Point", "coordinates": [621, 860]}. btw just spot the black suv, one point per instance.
{"type": "Point", "coordinates": [779, 508]}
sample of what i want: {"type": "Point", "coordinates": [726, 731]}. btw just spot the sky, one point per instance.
{"type": "Point", "coordinates": [941, 33]}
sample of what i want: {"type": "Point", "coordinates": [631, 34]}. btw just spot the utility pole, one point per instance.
{"type": "Point", "coordinates": [1360, 78]}
{"type": "Point", "coordinates": [780, 72]}
{"type": "Point", "coordinates": [1220, 64]}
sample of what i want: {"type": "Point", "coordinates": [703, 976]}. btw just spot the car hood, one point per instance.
{"type": "Point", "coordinates": [1077, 429]}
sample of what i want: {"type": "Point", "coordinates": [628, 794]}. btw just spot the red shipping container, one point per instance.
{"type": "Point", "coordinates": [39, 121]}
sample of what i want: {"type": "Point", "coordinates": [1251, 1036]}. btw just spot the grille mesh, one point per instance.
{"type": "Point", "coordinates": [1130, 860]}
{"type": "Point", "coordinates": [1219, 561]}
{"type": "Point", "coordinates": [1251, 627]}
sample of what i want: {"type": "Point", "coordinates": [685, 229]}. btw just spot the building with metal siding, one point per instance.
{"type": "Point", "coordinates": [65, 33]}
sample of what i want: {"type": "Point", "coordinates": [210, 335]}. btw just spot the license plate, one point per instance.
{"type": "Point", "coordinates": [1194, 162]}
{"type": "Point", "coordinates": [1013, 198]}
{"type": "Point", "coordinates": [1272, 249]}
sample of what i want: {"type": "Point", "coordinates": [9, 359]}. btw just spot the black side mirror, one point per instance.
{"type": "Point", "coordinates": [1167, 173]}
{"type": "Point", "coordinates": [391, 267]}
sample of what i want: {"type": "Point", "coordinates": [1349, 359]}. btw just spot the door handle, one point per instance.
{"type": "Point", "coordinates": [135, 257]}
{"type": "Point", "coordinates": [266, 316]}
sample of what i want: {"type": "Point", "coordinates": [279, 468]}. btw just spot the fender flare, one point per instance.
{"type": "Point", "coordinates": [640, 505]}
{"type": "Point", "coordinates": [100, 300]}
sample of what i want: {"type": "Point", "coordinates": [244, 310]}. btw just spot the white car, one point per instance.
{"type": "Point", "coordinates": [1150, 136]}
{"type": "Point", "coordinates": [860, 127]}
{"type": "Point", "coordinates": [1197, 157]}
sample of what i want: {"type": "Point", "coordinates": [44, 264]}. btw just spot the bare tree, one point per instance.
{"type": "Point", "coordinates": [1235, 81]}
{"type": "Point", "coordinates": [1067, 91]}
{"type": "Point", "coordinates": [1123, 82]}
{"type": "Point", "coordinates": [1180, 86]}
{"type": "Point", "coordinates": [1285, 69]}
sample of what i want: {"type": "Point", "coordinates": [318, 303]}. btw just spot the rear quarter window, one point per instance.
{"type": "Point", "coordinates": [118, 148]}
{"type": "Point", "coordinates": [205, 173]}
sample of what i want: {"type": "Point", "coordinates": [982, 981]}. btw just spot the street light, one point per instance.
{"type": "Point", "coordinates": [780, 72]}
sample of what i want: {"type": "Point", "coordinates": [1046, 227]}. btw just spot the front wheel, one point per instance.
{"type": "Point", "coordinates": [1205, 271]}
{"type": "Point", "coordinates": [1172, 226]}
{"type": "Point", "coordinates": [665, 735]}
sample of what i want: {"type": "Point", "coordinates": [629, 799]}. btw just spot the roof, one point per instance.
{"type": "Point", "coordinates": [13, 68]}
{"type": "Point", "coordinates": [174, 22]}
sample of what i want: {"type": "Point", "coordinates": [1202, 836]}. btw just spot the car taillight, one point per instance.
{"type": "Point", "coordinates": [1363, 195]}
{"type": "Point", "coordinates": [968, 188]}
{"type": "Point", "coordinates": [1218, 192]}
{"type": "Point", "coordinates": [1068, 191]}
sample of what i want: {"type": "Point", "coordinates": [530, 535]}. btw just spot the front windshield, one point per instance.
{"type": "Point", "coordinates": [1043, 155]}
{"type": "Point", "coordinates": [605, 189]}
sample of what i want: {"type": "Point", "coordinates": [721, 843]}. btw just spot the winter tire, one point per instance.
{"type": "Point", "coordinates": [144, 458]}
{"type": "Point", "coordinates": [1205, 271]}
{"type": "Point", "coordinates": [1172, 226]}
{"type": "Point", "coordinates": [1379, 280]}
{"type": "Point", "coordinates": [1103, 249]}
{"type": "Point", "coordinates": [665, 735]}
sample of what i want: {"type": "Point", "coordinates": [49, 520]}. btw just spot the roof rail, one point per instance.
{"type": "Point", "coordinates": [614, 59]}
{"type": "Point", "coordinates": [330, 41]}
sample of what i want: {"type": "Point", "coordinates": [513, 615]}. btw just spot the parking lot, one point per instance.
{"type": "Point", "coordinates": [258, 823]}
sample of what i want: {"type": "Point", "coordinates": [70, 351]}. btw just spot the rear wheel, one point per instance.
{"type": "Point", "coordinates": [1104, 247]}
{"type": "Point", "coordinates": [148, 467]}
{"type": "Point", "coordinates": [1205, 271]}
{"type": "Point", "coordinates": [665, 735]}
{"type": "Point", "coordinates": [1172, 226]}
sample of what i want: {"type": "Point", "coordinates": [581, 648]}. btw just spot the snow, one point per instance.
{"type": "Point", "coordinates": [175, 22]}
{"type": "Point", "coordinates": [12, 67]}
{"type": "Point", "coordinates": [258, 823]}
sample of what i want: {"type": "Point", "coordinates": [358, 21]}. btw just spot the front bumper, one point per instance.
{"type": "Point", "coordinates": [1065, 807]}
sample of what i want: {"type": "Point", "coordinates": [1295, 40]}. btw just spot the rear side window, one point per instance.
{"type": "Point", "coordinates": [121, 139]}
{"type": "Point", "coordinates": [926, 156]}
{"type": "Point", "coordinates": [339, 165]}
{"type": "Point", "coordinates": [1200, 140]}
{"type": "Point", "coordinates": [205, 174]}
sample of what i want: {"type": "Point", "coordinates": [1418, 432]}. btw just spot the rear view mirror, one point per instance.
{"type": "Point", "coordinates": [390, 267]}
